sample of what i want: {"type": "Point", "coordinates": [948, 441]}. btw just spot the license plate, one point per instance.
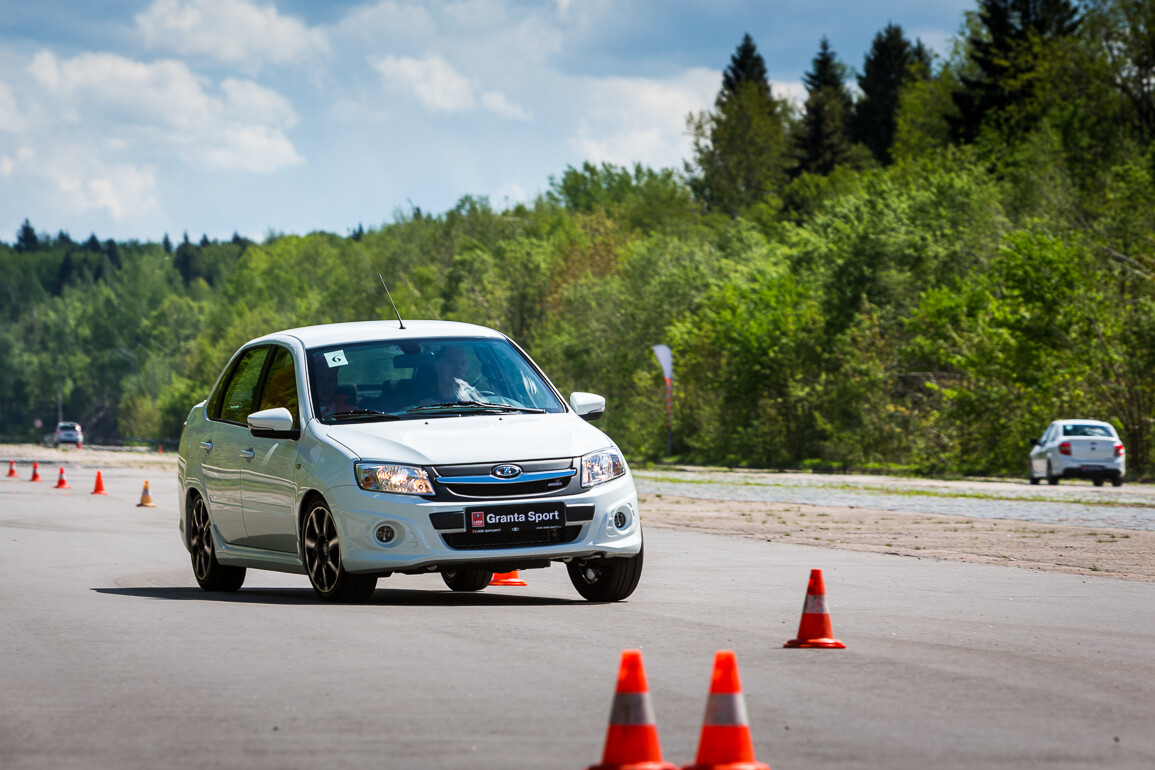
{"type": "Point", "coordinates": [527, 520]}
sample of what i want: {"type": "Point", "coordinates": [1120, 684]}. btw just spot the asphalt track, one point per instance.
{"type": "Point", "coordinates": [113, 658]}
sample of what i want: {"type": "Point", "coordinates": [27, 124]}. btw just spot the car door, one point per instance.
{"type": "Point", "coordinates": [1039, 452]}
{"type": "Point", "coordinates": [269, 467]}
{"type": "Point", "coordinates": [225, 437]}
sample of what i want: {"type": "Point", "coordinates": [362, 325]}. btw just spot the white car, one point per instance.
{"type": "Point", "coordinates": [351, 451]}
{"type": "Point", "coordinates": [1079, 449]}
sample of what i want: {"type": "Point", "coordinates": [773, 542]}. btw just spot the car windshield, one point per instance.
{"type": "Point", "coordinates": [422, 378]}
{"type": "Point", "coordinates": [1087, 430]}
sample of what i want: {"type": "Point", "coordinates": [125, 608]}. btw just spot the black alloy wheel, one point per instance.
{"type": "Point", "coordinates": [322, 549]}
{"type": "Point", "coordinates": [211, 575]}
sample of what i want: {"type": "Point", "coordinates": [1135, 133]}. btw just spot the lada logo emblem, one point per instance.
{"type": "Point", "coordinates": [506, 471]}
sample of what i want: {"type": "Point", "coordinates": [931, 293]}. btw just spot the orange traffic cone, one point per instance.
{"type": "Point", "coordinates": [62, 483]}
{"type": "Point", "coordinates": [35, 472]}
{"type": "Point", "coordinates": [814, 630]}
{"type": "Point", "coordinates": [160, 449]}
{"type": "Point", "coordinates": [99, 488]}
{"type": "Point", "coordinates": [145, 498]}
{"type": "Point", "coordinates": [12, 469]}
{"type": "Point", "coordinates": [632, 739]}
{"type": "Point", "coordinates": [507, 579]}
{"type": "Point", "coordinates": [725, 743]}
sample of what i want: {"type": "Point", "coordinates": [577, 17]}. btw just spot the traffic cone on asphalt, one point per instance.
{"type": "Point", "coordinates": [61, 482]}
{"type": "Point", "coordinates": [35, 472]}
{"type": "Point", "coordinates": [12, 474]}
{"type": "Point", "coordinates": [99, 488]}
{"type": "Point", "coordinates": [632, 738]}
{"type": "Point", "coordinates": [725, 743]}
{"type": "Point", "coordinates": [507, 579]}
{"type": "Point", "coordinates": [145, 498]}
{"type": "Point", "coordinates": [815, 630]}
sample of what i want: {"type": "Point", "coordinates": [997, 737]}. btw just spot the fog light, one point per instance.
{"type": "Point", "coordinates": [385, 533]}
{"type": "Point", "coordinates": [621, 519]}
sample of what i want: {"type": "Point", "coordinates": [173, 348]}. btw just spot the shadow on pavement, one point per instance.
{"type": "Point", "coordinates": [384, 596]}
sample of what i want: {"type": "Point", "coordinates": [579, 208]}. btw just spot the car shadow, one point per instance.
{"type": "Point", "coordinates": [401, 597]}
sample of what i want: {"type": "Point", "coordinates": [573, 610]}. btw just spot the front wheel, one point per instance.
{"type": "Point", "coordinates": [606, 580]}
{"type": "Point", "coordinates": [322, 547]}
{"type": "Point", "coordinates": [211, 575]}
{"type": "Point", "coordinates": [467, 579]}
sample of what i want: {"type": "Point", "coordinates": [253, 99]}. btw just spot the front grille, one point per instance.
{"type": "Point", "coordinates": [476, 482]}
{"type": "Point", "coordinates": [464, 541]}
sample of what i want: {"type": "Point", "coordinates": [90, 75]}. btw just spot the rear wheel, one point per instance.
{"type": "Point", "coordinates": [467, 579]}
{"type": "Point", "coordinates": [1116, 481]}
{"type": "Point", "coordinates": [1051, 479]}
{"type": "Point", "coordinates": [1098, 481]}
{"type": "Point", "coordinates": [322, 547]}
{"type": "Point", "coordinates": [211, 575]}
{"type": "Point", "coordinates": [606, 580]}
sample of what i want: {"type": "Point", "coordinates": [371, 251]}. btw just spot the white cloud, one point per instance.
{"type": "Point", "coordinates": [162, 108]}
{"type": "Point", "coordinates": [9, 113]}
{"type": "Point", "coordinates": [432, 80]}
{"type": "Point", "coordinates": [230, 31]}
{"type": "Point", "coordinates": [638, 120]}
{"type": "Point", "coordinates": [439, 87]}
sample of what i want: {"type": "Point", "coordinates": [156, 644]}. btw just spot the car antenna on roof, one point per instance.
{"type": "Point", "coordinates": [391, 302]}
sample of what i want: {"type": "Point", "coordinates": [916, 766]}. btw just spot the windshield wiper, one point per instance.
{"type": "Point", "coordinates": [487, 406]}
{"type": "Point", "coordinates": [361, 414]}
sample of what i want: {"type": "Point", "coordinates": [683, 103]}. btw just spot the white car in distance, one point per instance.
{"type": "Point", "coordinates": [348, 452]}
{"type": "Point", "coordinates": [1079, 449]}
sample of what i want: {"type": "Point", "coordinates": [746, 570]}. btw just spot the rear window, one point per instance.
{"type": "Point", "coordinates": [1088, 430]}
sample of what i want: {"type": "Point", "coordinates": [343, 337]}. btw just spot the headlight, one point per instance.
{"type": "Point", "coordinates": [602, 466]}
{"type": "Point", "coordinates": [399, 479]}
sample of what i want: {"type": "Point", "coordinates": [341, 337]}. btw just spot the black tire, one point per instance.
{"type": "Point", "coordinates": [1031, 477]}
{"type": "Point", "coordinates": [1097, 482]}
{"type": "Point", "coordinates": [1116, 481]}
{"type": "Point", "coordinates": [321, 546]}
{"type": "Point", "coordinates": [606, 580]}
{"type": "Point", "coordinates": [1052, 480]}
{"type": "Point", "coordinates": [467, 579]}
{"type": "Point", "coordinates": [211, 575]}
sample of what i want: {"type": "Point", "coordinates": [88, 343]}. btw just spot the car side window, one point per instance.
{"type": "Point", "coordinates": [237, 394]}
{"type": "Point", "coordinates": [280, 384]}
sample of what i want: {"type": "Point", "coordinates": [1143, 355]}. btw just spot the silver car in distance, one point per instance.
{"type": "Point", "coordinates": [351, 451]}
{"type": "Point", "coordinates": [1079, 449]}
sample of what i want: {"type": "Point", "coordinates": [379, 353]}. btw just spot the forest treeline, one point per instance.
{"type": "Point", "coordinates": [915, 270]}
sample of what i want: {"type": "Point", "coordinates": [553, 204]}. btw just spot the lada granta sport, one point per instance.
{"type": "Point", "coordinates": [351, 451]}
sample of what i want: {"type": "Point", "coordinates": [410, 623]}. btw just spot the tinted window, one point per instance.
{"type": "Point", "coordinates": [234, 400]}
{"type": "Point", "coordinates": [280, 384]}
{"type": "Point", "coordinates": [1087, 430]}
{"type": "Point", "coordinates": [393, 377]}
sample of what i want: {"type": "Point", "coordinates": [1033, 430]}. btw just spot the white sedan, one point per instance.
{"type": "Point", "coordinates": [1079, 449]}
{"type": "Point", "coordinates": [351, 451]}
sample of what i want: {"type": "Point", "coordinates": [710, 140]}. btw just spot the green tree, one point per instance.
{"type": "Point", "coordinates": [891, 63]}
{"type": "Point", "coordinates": [1006, 48]}
{"type": "Point", "coordinates": [741, 148]}
{"type": "Point", "coordinates": [823, 139]}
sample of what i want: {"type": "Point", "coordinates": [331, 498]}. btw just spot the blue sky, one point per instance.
{"type": "Point", "coordinates": [135, 118]}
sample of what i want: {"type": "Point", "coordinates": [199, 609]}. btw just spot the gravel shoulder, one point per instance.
{"type": "Point", "coordinates": [1127, 554]}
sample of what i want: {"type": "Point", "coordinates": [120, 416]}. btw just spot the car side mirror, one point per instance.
{"type": "Point", "coordinates": [588, 406]}
{"type": "Point", "coordinates": [273, 423]}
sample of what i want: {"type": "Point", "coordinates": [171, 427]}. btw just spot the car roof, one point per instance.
{"type": "Point", "coordinates": [1082, 422]}
{"type": "Point", "coordinates": [369, 331]}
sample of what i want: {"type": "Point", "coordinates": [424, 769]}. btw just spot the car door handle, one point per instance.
{"type": "Point", "coordinates": [207, 446]}
{"type": "Point", "coordinates": [248, 454]}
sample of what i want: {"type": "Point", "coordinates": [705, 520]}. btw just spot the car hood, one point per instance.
{"type": "Point", "coordinates": [470, 439]}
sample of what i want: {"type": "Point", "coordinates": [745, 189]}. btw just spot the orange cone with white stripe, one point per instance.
{"type": "Point", "coordinates": [62, 483]}
{"type": "Point", "coordinates": [632, 739]}
{"type": "Point", "coordinates": [145, 498]}
{"type": "Point", "coordinates": [815, 630]}
{"type": "Point", "coordinates": [725, 743]}
{"type": "Point", "coordinates": [507, 579]}
{"type": "Point", "coordinates": [35, 472]}
{"type": "Point", "coordinates": [12, 474]}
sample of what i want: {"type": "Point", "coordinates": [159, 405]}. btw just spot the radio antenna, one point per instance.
{"type": "Point", "coordinates": [391, 302]}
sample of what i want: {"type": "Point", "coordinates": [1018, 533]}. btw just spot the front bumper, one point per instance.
{"type": "Point", "coordinates": [419, 545]}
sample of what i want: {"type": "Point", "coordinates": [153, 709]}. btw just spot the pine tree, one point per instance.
{"type": "Point", "coordinates": [741, 148]}
{"type": "Point", "coordinates": [1012, 39]}
{"type": "Point", "coordinates": [890, 64]}
{"type": "Point", "coordinates": [26, 238]}
{"type": "Point", "coordinates": [166, 244]}
{"type": "Point", "coordinates": [823, 139]}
